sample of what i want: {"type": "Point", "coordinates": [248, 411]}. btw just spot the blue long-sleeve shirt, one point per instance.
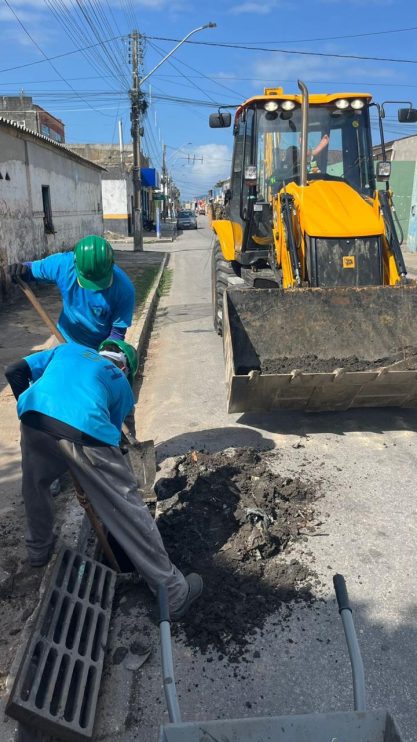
{"type": "Point", "coordinates": [88, 317]}
{"type": "Point", "coordinates": [79, 387]}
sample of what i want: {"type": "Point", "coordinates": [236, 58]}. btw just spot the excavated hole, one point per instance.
{"type": "Point", "coordinates": [234, 520]}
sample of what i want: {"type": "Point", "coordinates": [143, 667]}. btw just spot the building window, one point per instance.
{"type": "Point", "coordinates": [47, 210]}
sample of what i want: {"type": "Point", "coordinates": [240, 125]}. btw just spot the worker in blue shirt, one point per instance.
{"type": "Point", "coordinates": [97, 296]}
{"type": "Point", "coordinates": [72, 401]}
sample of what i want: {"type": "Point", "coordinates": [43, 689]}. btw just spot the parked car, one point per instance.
{"type": "Point", "coordinates": [202, 211]}
{"type": "Point", "coordinates": [186, 220]}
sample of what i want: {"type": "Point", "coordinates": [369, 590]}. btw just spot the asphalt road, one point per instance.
{"type": "Point", "coordinates": [365, 465]}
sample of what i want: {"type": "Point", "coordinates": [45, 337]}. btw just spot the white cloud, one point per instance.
{"type": "Point", "coordinates": [32, 14]}
{"type": "Point", "coordinates": [262, 8]}
{"type": "Point", "coordinates": [358, 2]}
{"type": "Point", "coordinates": [178, 5]}
{"type": "Point", "coordinates": [196, 178]}
{"type": "Point", "coordinates": [280, 68]}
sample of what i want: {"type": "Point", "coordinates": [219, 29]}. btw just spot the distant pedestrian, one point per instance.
{"type": "Point", "coordinates": [97, 296]}
{"type": "Point", "coordinates": [72, 401]}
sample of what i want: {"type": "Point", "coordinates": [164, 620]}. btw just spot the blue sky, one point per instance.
{"type": "Point", "coordinates": [88, 90]}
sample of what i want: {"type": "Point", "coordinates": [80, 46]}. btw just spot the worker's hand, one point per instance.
{"type": "Point", "coordinates": [19, 270]}
{"type": "Point", "coordinates": [323, 143]}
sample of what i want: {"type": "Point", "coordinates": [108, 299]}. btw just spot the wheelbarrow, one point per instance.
{"type": "Point", "coordinates": [359, 725]}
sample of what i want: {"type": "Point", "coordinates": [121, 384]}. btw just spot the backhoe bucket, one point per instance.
{"type": "Point", "coordinates": [320, 349]}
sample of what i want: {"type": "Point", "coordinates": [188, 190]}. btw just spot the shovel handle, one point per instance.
{"type": "Point", "coordinates": [96, 524]}
{"type": "Point", "coordinates": [39, 308]}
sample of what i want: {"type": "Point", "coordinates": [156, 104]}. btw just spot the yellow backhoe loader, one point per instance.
{"type": "Point", "coordinates": [308, 278]}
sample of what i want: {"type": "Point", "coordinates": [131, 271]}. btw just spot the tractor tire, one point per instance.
{"type": "Point", "coordinates": [222, 276]}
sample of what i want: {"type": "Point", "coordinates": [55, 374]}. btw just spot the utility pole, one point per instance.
{"type": "Point", "coordinates": [137, 108]}
{"type": "Point", "coordinates": [121, 144]}
{"type": "Point", "coordinates": [164, 182]}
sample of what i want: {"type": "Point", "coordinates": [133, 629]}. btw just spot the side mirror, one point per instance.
{"type": "Point", "coordinates": [383, 170]}
{"type": "Point", "coordinates": [227, 196]}
{"type": "Point", "coordinates": [220, 120]}
{"type": "Point", "coordinates": [407, 115]}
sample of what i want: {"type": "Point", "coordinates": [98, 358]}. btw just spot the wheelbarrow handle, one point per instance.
{"type": "Point", "coordinates": [341, 593]}
{"type": "Point", "coordinates": [163, 604]}
{"type": "Point", "coordinates": [358, 674]}
{"type": "Point", "coordinates": [167, 661]}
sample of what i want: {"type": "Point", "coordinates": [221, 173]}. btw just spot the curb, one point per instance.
{"type": "Point", "coordinates": [159, 241]}
{"type": "Point", "coordinates": [137, 334]}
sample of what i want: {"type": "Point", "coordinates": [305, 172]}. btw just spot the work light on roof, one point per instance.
{"type": "Point", "coordinates": [287, 105]}
{"type": "Point", "coordinates": [271, 105]}
{"type": "Point", "coordinates": [357, 103]}
{"type": "Point", "coordinates": [342, 103]}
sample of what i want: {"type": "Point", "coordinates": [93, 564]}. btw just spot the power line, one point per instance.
{"type": "Point", "coordinates": [225, 45]}
{"type": "Point", "coordinates": [95, 29]}
{"type": "Point", "coordinates": [75, 30]}
{"type": "Point", "coordinates": [106, 26]}
{"type": "Point", "coordinates": [164, 97]}
{"type": "Point", "coordinates": [174, 66]}
{"type": "Point", "coordinates": [359, 83]}
{"type": "Point", "coordinates": [332, 38]}
{"type": "Point", "coordinates": [193, 69]}
{"type": "Point", "coordinates": [56, 56]}
{"type": "Point", "coordinates": [52, 65]}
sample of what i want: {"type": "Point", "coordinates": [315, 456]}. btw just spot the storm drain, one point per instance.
{"type": "Point", "coordinates": [58, 681]}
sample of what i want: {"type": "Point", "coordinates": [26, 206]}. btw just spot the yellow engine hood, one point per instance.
{"type": "Point", "coordinates": [334, 209]}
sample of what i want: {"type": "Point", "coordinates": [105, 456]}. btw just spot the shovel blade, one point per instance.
{"type": "Point", "coordinates": [143, 459]}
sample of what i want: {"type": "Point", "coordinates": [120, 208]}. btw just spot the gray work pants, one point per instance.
{"type": "Point", "coordinates": [111, 488]}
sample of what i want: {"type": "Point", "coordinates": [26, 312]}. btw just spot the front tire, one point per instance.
{"type": "Point", "coordinates": [222, 276]}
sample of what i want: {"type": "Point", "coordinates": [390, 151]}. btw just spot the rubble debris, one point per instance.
{"type": "Point", "coordinates": [229, 517]}
{"type": "Point", "coordinates": [314, 364]}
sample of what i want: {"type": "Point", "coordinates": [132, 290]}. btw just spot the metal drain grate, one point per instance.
{"type": "Point", "coordinates": [58, 681]}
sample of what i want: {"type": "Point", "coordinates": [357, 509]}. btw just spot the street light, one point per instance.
{"type": "Point", "coordinates": [136, 97]}
{"type": "Point", "coordinates": [200, 28]}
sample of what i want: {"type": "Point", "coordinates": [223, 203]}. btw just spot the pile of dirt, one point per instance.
{"type": "Point", "coordinates": [230, 518]}
{"type": "Point", "coordinates": [313, 364]}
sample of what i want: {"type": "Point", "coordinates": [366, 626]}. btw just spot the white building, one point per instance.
{"type": "Point", "coordinates": [50, 197]}
{"type": "Point", "coordinates": [402, 153]}
{"type": "Point", "coordinates": [117, 194]}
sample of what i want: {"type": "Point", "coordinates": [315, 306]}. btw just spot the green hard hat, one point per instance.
{"type": "Point", "coordinates": [94, 259]}
{"type": "Point", "coordinates": [128, 350]}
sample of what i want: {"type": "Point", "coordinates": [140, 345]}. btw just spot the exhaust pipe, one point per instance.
{"type": "Point", "coordinates": [304, 132]}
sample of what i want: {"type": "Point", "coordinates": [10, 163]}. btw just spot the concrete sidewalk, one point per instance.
{"type": "Point", "coordinates": [22, 333]}
{"type": "Point", "coordinates": [168, 232]}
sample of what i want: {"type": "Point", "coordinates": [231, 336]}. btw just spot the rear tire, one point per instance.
{"type": "Point", "coordinates": [222, 276]}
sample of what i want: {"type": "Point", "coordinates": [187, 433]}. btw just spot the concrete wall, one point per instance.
{"type": "Point", "coordinates": [405, 149]}
{"type": "Point", "coordinates": [75, 191]}
{"type": "Point", "coordinates": [401, 184]}
{"type": "Point", "coordinates": [116, 206]}
{"type": "Point", "coordinates": [412, 227]}
{"type": "Point", "coordinates": [22, 110]}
